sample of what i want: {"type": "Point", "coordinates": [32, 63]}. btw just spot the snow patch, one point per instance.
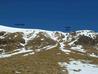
{"type": "Point", "coordinates": [88, 33]}
{"type": "Point", "coordinates": [62, 48]}
{"type": "Point", "coordinates": [31, 53]}
{"type": "Point", "coordinates": [77, 67]}
{"type": "Point", "coordinates": [78, 48]}
{"type": "Point", "coordinates": [19, 51]}
{"type": "Point", "coordinates": [93, 55]}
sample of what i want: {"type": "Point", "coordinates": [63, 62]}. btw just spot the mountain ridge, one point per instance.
{"type": "Point", "coordinates": [17, 38]}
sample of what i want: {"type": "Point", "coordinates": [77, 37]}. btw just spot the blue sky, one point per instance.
{"type": "Point", "coordinates": [50, 14]}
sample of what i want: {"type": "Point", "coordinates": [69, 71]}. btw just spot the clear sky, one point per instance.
{"type": "Point", "coordinates": [50, 14]}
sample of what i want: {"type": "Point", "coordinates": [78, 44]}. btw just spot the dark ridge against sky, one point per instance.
{"type": "Point", "coordinates": [50, 14]}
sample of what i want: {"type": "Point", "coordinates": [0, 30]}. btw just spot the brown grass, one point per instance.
{"type": "Point", "coordinates": [44, 62]}
{"type": "Point", "coordinates": [40, 63]}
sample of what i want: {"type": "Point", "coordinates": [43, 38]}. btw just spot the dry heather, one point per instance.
{"type": "Point", "coordinates": [40, 41]}
{"type": "Point", "coordinates": [11, 41]}
{"type": "Point", "coordinates": [40, 63]}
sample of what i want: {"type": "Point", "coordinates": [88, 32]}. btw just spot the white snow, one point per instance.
{"type": "Point", "coordinates": [19, 51]}
{"type": "Point", "coordinates": [72, 43]}
{"type": "Point", "coordinates": [31, 53]}
{"type": "Point", "coordinates": [78, 48]}
{"type": "Point", "coordinates": [62, 48]}
{"type": "Point", "coordinates": [88, 33]}
{"type": "Point", "coordinates": [2, 37]}
{"type": "Point", "coordinates": [51, 46]}
{"type": "Point", "coordinates": [17, 72]}
{"type": "Point", "coordinates": [1, 49]}
{"type": "Point", "coordinates": [46, 47]}
{"type": "Point", "coordinates": [42, 39]}
{"type": "Point", "coordinates": [93, 55]}
{"type": "Point", "coordinates": [77, 67]}
{"type": "Point", "coordinates": [67, 37]}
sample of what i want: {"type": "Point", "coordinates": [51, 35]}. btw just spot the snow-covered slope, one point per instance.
{"type": "Point", "coordinates": [28, 31]}
{"type": "Point", "coordinates": [88, 33]}
{"type": "Point", "coordinates": [53, 34]}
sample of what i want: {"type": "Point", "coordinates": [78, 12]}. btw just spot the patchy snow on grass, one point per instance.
{"type": "Point", "coordinates": [46, 48]}
{"type": "Point", "coordinates": [2, 37]}
{"type": "Point", "coordinates": [62, 48]}
{"type": "Point", "coordinates": [51, 46]}
{"type": "Point", "coordinates": [17, 72]}
{"type": "Point", "coordinates": [31, 53]}
{"type": "Point", "coordinates": [77, 67]}
{"type": "Point", "coordinates": [93, 55]}
{"type": "Point", "coordinates": [72, 43]}
{"type": "Point", "coordinates": [15, 53]}
{"type": "Point", "coordinates": [42, 39]}
{"type": "Point", "coordinates": [78, 48]}
{"type": "Point", "coordinates": [23, 50]}
{"type": "Point", "coordinates": [88, 33]}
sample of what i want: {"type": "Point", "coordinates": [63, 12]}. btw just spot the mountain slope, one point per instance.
{"type": "Point", "coordinates": [54, 47]}
{"type": "Point", "coordinates": [13, 39]}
